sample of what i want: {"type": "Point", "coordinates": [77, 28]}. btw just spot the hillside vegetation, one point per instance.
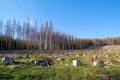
{"type": "Point", "coordinates": [62, 68]}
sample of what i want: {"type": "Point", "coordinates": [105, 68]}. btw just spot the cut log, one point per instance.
{"type": "Point", "coordinates": [76, 63]}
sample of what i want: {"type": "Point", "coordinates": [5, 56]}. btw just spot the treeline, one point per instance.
{"type": "Point", "coordinates": [14, 36]}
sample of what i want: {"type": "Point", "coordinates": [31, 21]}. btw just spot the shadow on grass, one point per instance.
{"type": "Point", "coordinates": [6, 77]}
{"type": "Point", "coordinates": [16, 62]}
{"type": "Point", "coordinates": [29, 77]}
{"type": "Point", "coordinates": [21, 77]}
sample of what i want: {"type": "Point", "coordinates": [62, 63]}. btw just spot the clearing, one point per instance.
{"type": "Point", "coordinates": [61, 67]}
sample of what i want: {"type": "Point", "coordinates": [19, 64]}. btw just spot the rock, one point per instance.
{"type": "Point", "coordinates": [7, 61]}
{"type": "Point", "coordinates": [84, 55]}
{"type": "Point", "coordinates": [66, 55]}
{"type": "Point", "coordinates": [66, 64]}
{"type": "Point", "coordinates": [118, 60]}
{"type": "Point", "coordinates": [106, 56]}
{"type": "Point", "coordinates": [91, 59]}
{"type": "Point", "coordinates": [109, 63]}
{"type": "Point", "coordinates": [30, 62]}
{"type": "Point", "coordinates": [95, 63]}
{"type": "Point", "coordinates": [95, 57]}
{"type": "Point", "coordinates": [101, 64]}
{"type": "Point", "coordinates": [76, 55]}
{"type": "Point", "coordinates": [60, 59]}
{"type": "Point", "coordinates": [76, 62]}
{"type": "Point", "coordinates": [15, 67]}
{"type": "Point", "coordinates": [27, 55]}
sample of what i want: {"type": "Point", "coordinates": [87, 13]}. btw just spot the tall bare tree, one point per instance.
{"type": "Point", "coordinates": [1, 33]}
{"type": "Point", "coordinates": [46, 37]}
{"type": "Point", "coordinates": [19, 31]}
{"type": "Point", "coordinates": [1, 27]}
{"type": "Point", "coordinates": [50, 35]}
{"type": "Point", "coordinates": [28, 32]}
{"type": "Point", "coordinates": [8, 33]}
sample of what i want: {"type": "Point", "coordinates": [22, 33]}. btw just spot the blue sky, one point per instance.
{"type": "Point", "coordinates": [82, 18]}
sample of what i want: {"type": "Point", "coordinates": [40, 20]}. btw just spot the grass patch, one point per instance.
{"type": "Point", "coordinates": [60, 70]}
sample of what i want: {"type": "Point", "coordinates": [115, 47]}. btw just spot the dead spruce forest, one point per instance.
{"type": "Point", "coordinates": [16, 36]}
{"type": "Point", "coordinates": [38, 52]}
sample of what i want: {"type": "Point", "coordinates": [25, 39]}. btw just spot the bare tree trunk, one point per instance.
{"type": "Point", "coordinates": [1, 28]}
{"type": "Point", "coordinates": [40, 45]}
{"type": "Point", "coordinates": [46, 36]}
{"type": "Point", "coordinates": [46, 39]}
{"type": "Point", "coordinates": [50, 41]}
